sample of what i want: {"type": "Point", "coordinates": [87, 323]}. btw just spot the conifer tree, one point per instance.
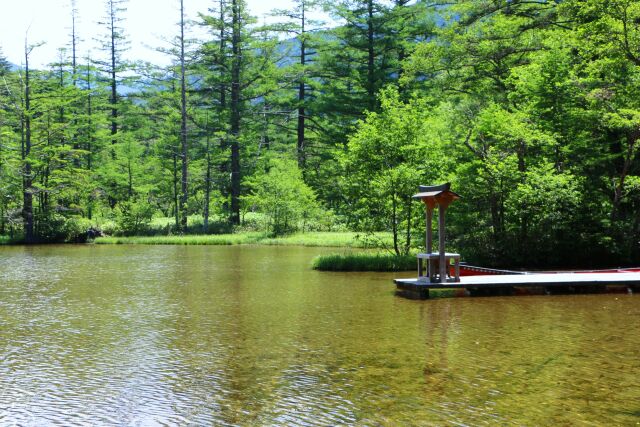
{"type": "Point", "coordinates": [241, 72]}
{"type": "Point", "coordinates": [300, 24]}
{"type": "Point", "coordinates": [184, 153]}
{"type": "Point", "coordinates": [114, 43]}
{"type": "Point", "coordinates": [5, 66]}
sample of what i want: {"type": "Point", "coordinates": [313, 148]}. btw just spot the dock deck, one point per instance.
{"type": "Point", "coordinates": [505, 284]}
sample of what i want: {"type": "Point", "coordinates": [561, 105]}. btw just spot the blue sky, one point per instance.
{"type": "Point", "coordinates": [49, 21]}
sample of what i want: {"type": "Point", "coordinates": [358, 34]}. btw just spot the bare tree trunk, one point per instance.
{"type": "Point", "coordinates": [371, 82]}
{"type": "Point", "coordinates": [235, 111]}
{"type": "Point", "coordinates": [27, 178]}
{"type": "Point", "coordinates": [129, 178]}
{"type": "Point", "coordinates": [496, 223]}
{"type": "Point", "coordinates": [90, 136]}
{"type": "Point", "coordinates": [223, 167]}
{"type": "Point", "coordinates": [301, 92]}
{"type": "Point", "coordinates": [74, 43]}
{"type": "Point", "coordinates": [524, 221]}
{"type": "Point", "coordinates": [183, 126]}
{"type": "Point", "coordinates": [74, 74]}
{"type": "Point", "coordinates": [207, 184]}
{"type": "Point", "coordinates": [114, 84]}
{"type": "Point", "coordinates": [407, 245]}
{"type": "Point", "coordinates": [62, 109]}
{"type": "Point", "coordinates": [176, 203]}
{"type": "Point", "coordinates": [632, 139]}
{"type": "Point", "coordinates": [394, 221]}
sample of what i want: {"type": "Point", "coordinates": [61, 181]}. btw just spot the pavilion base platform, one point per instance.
{"type": "Point", "coordinates": [515, 284]}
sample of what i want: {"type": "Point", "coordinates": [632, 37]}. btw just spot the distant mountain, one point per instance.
{"type": "Point", "coordinates": [11, 66]}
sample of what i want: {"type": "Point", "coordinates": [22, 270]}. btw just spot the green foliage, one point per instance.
{"type": "Point", "coordinates": [283, 197]}
{"type": "Point", "coordinates": [5, 66]}
{"type": "Point", "coordinates": [544, 206]}
{"type": "Point", "coordinates": [56, 228]}
{"type": "Point", "coordinates": [391, 153]}
{"type": "Point", "coordinates": [133, 217]}
{"type": "Point", "coordinates": [538, 116]}
{"type": "Point", "coordinates": [7, 240]}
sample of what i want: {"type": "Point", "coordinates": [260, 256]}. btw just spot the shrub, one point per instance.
{"type": "Point", "coordinates": [133, 217]}
{"type": "Point", "coordinates": [283, 197]}
{"type": "Point", "coordinates": [56, 228]}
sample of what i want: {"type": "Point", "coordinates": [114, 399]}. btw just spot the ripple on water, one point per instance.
{"type": "Point", "coordinates": [251, 336]}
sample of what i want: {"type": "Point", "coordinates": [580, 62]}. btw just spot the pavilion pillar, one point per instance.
{"type": "Point", "coordinates": [430, 205]}
{"type": "Point", "coordinates": [441, 221]}
{"type": "Point", "coordinates": [443, 203]}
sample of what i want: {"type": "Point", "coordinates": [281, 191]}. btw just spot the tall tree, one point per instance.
{"type": "Point", "coordinates": [27, 174]}
{"type": "Point", "coordinates": [91, 127]}
{"type": "Point", "coordinates": [238, 23]}
{"type": "Point", "coordinates": [74, 41]}
{"type": "Point", "coordinates": [214, 65]}
{"type": "Point", "coordinates": [241, 68]}
{"type": "Point", "coordinates": [114, 44]}
{"type": "Point", "coordinates": [184, 147]}
{"type": "Point", "coordinates": [305, 30]}
{"type": "Point", "coordinates": [357, 59]}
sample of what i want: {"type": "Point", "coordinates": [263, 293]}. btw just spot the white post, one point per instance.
{"type": "Point", "coordinates": [443, 267]}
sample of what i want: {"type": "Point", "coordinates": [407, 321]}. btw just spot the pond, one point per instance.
{"type": "Point", "coordinates": [250, 335]}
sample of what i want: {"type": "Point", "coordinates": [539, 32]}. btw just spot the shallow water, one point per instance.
{"type": "Point", "coordinates": [242, 335]}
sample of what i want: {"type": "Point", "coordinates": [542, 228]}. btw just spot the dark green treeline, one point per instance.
{"type": "Point", "coordinates": [530, 109]}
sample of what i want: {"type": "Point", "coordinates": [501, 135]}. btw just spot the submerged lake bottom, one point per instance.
{"type": "Point", "coordinates": [251, 335]}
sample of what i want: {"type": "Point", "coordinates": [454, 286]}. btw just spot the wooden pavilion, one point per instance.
{"type": "Point", "coordinates": [437, 264]}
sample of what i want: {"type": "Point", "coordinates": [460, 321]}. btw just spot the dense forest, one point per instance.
{"type": "Point", "coordinates": [530, 108]}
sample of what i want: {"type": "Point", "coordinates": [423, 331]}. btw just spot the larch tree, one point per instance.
{"type": "Point", "coordinates": [114, 43]}
{"type": "Point", "coordinates": [241, 72]}
{"type": "Point", "coordinates": [305, 29]}
{"type": "Point", "coordinates": [184, 152]}
{"type": "Point", "coordinates": [26, 145]}
{"type": "Point", "coordinates": [74, 41]}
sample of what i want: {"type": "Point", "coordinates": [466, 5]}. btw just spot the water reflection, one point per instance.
{"type": "Point", "coordinates": [182, 335]}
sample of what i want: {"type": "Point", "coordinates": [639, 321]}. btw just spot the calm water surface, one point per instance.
{"type": "Point", "coordinates": [205, 335]}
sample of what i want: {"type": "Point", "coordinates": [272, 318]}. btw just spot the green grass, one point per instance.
{"type": "Point", "coordinates": [364, 262]}
{"type": "Point", "coordinates": [328, 239]}
{"type": "Point", "coordinates": [211, 239]}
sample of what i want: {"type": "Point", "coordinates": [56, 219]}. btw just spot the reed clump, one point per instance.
{"type": "Point", "coordinates": [364, 262]}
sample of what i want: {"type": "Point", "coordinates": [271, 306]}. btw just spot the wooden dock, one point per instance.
{"type": "Point", "coordinates": [509, 284]}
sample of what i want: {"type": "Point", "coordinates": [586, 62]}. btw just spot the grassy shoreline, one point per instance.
{"type": "Point", "coordinates": [374, 260]}
{"type": "Point", "coordinates": [317, 239]}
